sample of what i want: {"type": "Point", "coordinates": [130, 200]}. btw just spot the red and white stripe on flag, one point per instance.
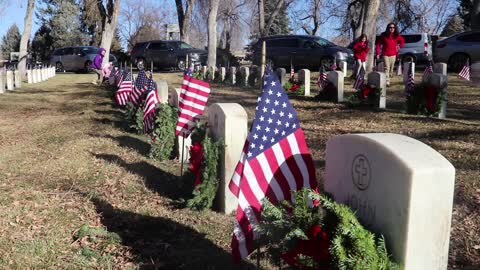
{"type": "Point", "coordinates": [149, 110]}
{"type": "Point", "coordinates": [192, 102]}
{"type": "Point", "coordinates": [123, 93]}
{"type": "Point", "coordinates": [465, 72]}
{"type": "Point", "coordinates": [273, 174]}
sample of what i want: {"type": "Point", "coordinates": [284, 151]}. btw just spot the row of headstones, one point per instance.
{"type": "Point", "coordinates": [388, 181]}
{"type": "Point", "coordinates": [36, 75]}
{"type": "Point", "coordinates": [9, 80]}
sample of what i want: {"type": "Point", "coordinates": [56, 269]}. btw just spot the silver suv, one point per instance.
{"type": "Point", "coordinates": [413, 49]}
{"type": "Point", "coordinates": [456, 49]}
{"type": "Point", "coordinates": [77, 58]}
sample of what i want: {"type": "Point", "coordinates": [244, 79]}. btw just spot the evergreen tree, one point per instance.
{"type": "Point", "coordinates": [281, 22]}
{"type": "Point", "coordinates": [10, 41]}
{"type": "Point", "coordinates": [464, 12]}
{"type": "Point", "coordinates": [60, 26]}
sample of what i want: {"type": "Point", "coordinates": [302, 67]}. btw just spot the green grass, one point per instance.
{"type": "Point", "coordinates": [66, 160]}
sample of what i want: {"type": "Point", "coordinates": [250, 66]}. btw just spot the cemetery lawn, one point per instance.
{"type": "Point", "coordinates": [78, 191]}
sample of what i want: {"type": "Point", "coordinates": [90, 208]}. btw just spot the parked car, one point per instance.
{"type": "Point", "coordinates": [77, 58]}
{"type": "Point", "coordinates": [301, 50]}
{"type": "Point", "coordinates": [455, 50]}
{"type": "Point", "coordinates": [167, 54]}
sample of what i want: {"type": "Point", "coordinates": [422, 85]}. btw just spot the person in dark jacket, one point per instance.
{"type": "Point", "coordinates": [360, 50]}
{"type": "Point", "coordinates": [97, 65]}
{"type": "Point", "coordinates": [390, 42]}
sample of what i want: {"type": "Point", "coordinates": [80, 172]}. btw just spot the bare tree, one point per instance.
{"type": "Point", "coordinates": [370, 28]}
{"type": "Point", "coordinates": [309, 15]}
{"type": "Point", "coordinates": [212, 33]}
{"type": "Point", "coordinates": [22, 65]}
{"type": "Point", "coordinates": [140, 21]}
{"type": "Point", "coordinates": [184, 17]}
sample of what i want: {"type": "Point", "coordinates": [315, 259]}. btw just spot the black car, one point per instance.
{"type": "Point", "coordinates": [301, 50]}
{"type": "Point", "coordinates": [167, 54]}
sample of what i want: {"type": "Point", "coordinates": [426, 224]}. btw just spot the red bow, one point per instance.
{"type": "Point", "coordinates": [315, 247]}
{"type": "Point", "coordinates": [365, 91]}
{"type": "Point", "coordinates": [196, 157]}
{"type": "Point", "coordinates": [431, 97]}
{"type": "Point", "coordinates": [294, 87]}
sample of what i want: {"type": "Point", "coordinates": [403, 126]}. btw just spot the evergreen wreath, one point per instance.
{"type": "Point", "coordinates": [294, 88]}
{"type": "Point", "coordinates": [163, 135]}
{"type": "Point", "coordinates": [253, 77]}
{"type": "Point", "coordinates": [134, 117]}
{"type": "Point", "coordinates": [367, 95]}
{"type": "Point", "coordinates": [204, 194]}
{"type": "Point", "coordinates": [328, 93]}
{"type": "Point", "coordinates": [289, 231]}
{"type": "Point", "coordinates": [425, 99]}
{"type": "Point", "coordinates": [218, 77]}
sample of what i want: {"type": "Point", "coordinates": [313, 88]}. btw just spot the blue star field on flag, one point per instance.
{"type": "Point", "coordinates": [275, 117]}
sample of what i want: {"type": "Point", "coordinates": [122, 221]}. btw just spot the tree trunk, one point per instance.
{"type": "Point", "coordinates": [180, 16]}
{"type": "Point", "coordinates": [261, 17]}
{"type": "Point", "coordinates": [212, 34]}
{"type": "Point", "coordinates": [369, 28]}
{"type": "Point", "coordinates": [186, 21]}
{"type": "Point", "coordinates": [475, 15]}
{"type": "Point", "coordinates": [110, 24]}
{"type": "Point", "coordinates": [22, 65]}
{"type": "Point", "coordinates": [360, 29]}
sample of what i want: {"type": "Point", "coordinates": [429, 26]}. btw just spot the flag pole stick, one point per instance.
{"type": "Point", "coordinates": [181, 159]}
{"type": "Point", "coordinates": [151, 67]}
{"type": "Point", "coordinates": [186, 62]}
{"type": "Point", "coordinates": [264, 60]}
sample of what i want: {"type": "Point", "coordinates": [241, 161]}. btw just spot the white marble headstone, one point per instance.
{"type": "Point", "coordinates": [475, 73]}
{"type": "Point", "coordinates": [29, 76]}
{"type": "Point", "coordinates": [162, 91]}
{"type": "Point", "coordinates": [245, 71]}
{"type": "Point", "coordinates": [228, 121]}
{"type": "Point", "coordinates": [233, 74]}
{"type": "Point", "coordinates": [379, 80]}
{"type": "Point", "coordinates": [10, 85]}
{"type": "Point", "coordinates": [281, 73]}
{"type": "Point", "coordinates": [336, 77]}
{"type": "Point", "coordinates": [440, 68]}
{"type": "Point", "coordinates": [441, 83]}
{"type": "Point", "coordinates": [18, 79]}
{"type": "Point", "coordinates": [3, 81]}
{"type": "Point", "coordinates": [343, 67]}
{"type": "Point", "coordinates": [400, 188]}
{"type": "Point", "coordinates": [222, 74]}
{"type": "Point", "coordinates": [304, 77]}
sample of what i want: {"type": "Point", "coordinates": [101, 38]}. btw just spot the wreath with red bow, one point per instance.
{"type": "Point", "coordinates": [294, 88]}
{"type": "Point", "coordinates": [425, 99]}
{"type": "Point", "coordinates": [367, 95]}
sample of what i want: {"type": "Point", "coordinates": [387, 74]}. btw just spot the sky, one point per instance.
{"type": "Point", "coordinates": [15, 13]}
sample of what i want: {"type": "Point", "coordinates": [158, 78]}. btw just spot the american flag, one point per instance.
{"type": "Point", "coordinates": [292, 72]}
{"type": "Point", "coordinates": [322, 78]}
{"type": "Point", "coordinates": [410, 82]}
{"type": "Point", "coordinates": [360, 80]}
{"type": "Point", "coordinates": [139, 87]}
{"type": "Point", "coordinates": [119, 77]}
{"type": "Point", "coordinates": [193, 98]}
{"type": "Point", "coordinates": [465, 72]}
{"type": "Point", "coordinates": [125, 90]}
{"type": "Point", "coordinates": [275, 160]}
{"type": "Point", "coordinates": [150, 102]}
{"type": "Point", "coordinates": [428, 70]}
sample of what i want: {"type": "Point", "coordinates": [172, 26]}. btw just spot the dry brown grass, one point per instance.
{"type": "Point", "coordinates": [66, 160]}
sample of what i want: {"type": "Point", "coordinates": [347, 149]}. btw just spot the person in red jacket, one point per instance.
{"type": "Point", "coordinates": [390, 42]}
{"type": "Point", "coordinates": [360, 51]}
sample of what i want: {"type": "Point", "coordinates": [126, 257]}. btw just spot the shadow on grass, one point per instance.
{"type": "Point", "coordinates": [141, 147]}
{"type": "Point", "coordinates": [115, 113]}
{"type": "Point", "coordinates": [114, 123]}
{"type": "Point", "coordinates": [155, 179]}
{"type": "Point", "coordinates": [161, 243]}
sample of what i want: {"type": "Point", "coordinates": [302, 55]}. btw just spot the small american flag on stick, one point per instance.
{"type": "Point", "coordinates": [410, 82]}
{"type": "Point", "coordinates": [275, 161]}
{"type": "Point", "coordinates": [428, 69]}
{"type": "Point", "coordinates": [322, 78]}
{"type": "Point", "coordinates": [465, 72]}
{"type": "Point", "coordinates": [193, 98]}
{"type": "Point", "coordinates": [360, 80]}
{"type": "Point", "coordinates": [150, 104]}
{"type": "Point", "coordinates": [139, 88]}
{"type": "Point", "coordinates": [125, 90]}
